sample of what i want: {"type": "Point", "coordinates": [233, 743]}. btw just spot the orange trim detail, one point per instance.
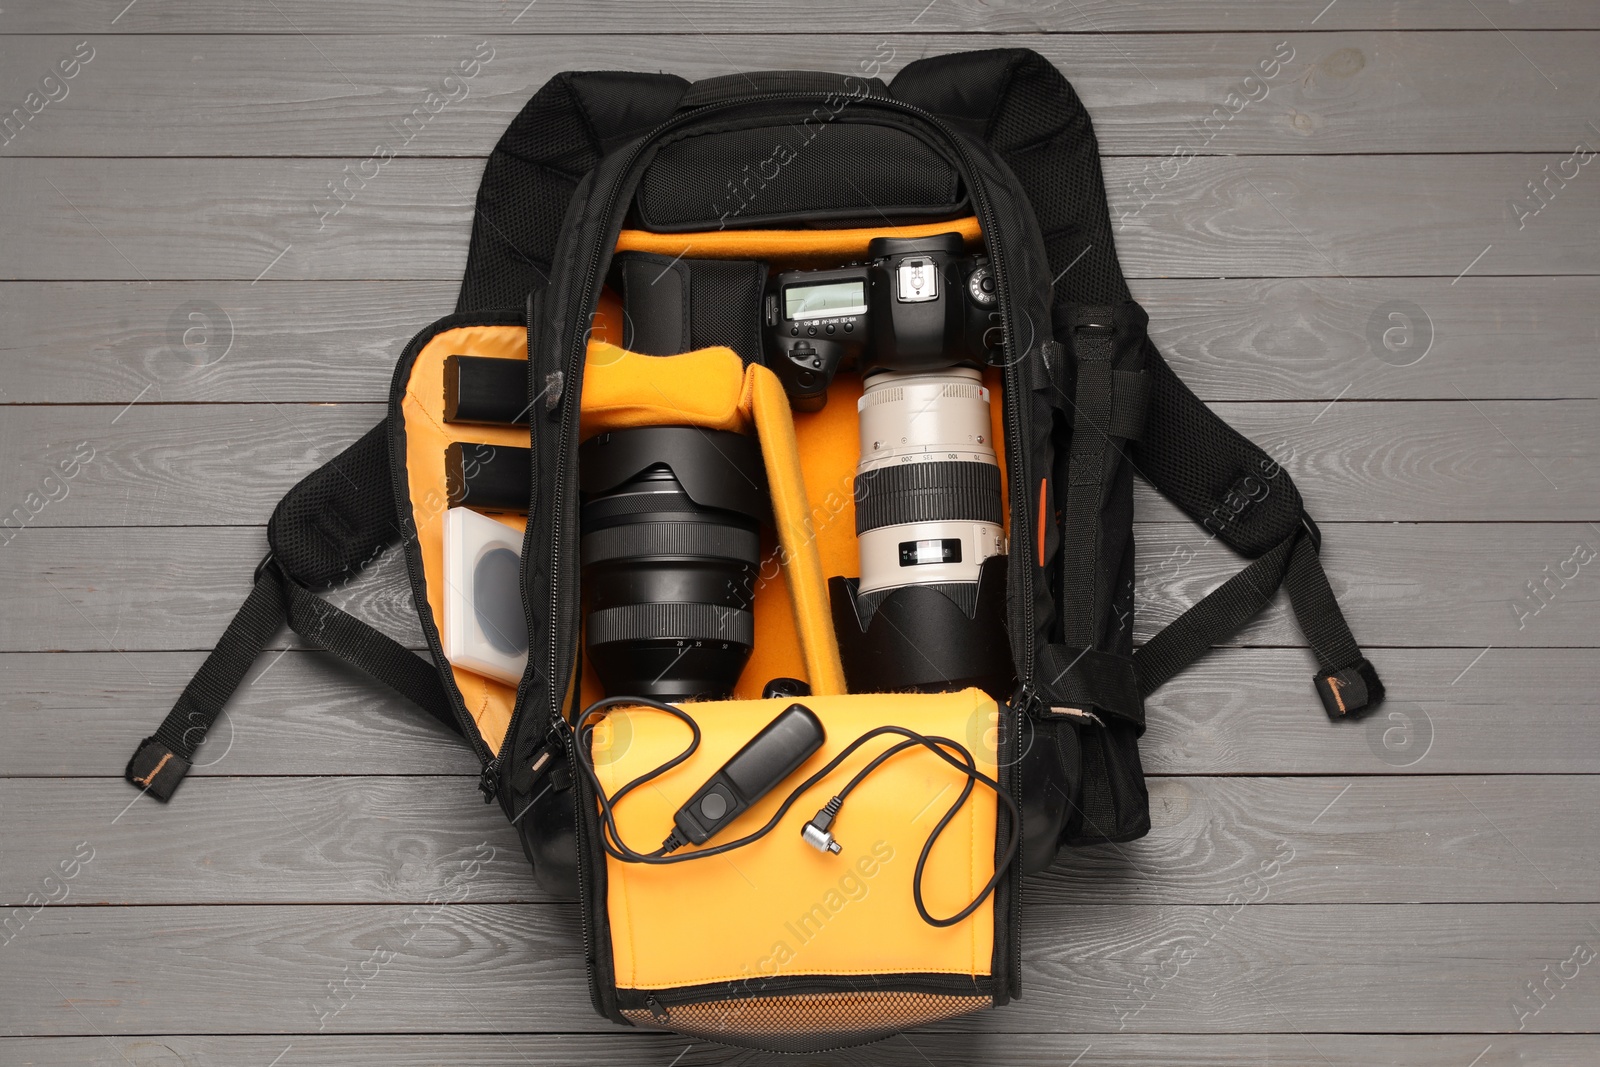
{"type": "Point", "coordinates": [1043, 498]}
{"type": "Point", "coordinates": [785, 244]}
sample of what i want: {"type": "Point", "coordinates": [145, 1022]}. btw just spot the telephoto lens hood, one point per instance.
{"type": "Point", "coordinates": [671, 544]}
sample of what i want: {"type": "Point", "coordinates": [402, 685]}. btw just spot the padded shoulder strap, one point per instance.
{"type": "Point", "coordinates": [323, 531]}
{"type": "Point", "coordinates": [1247, 500]}
{"type": "Point", "coordinates": [1019, 103]}
{"type": "Point", "coordinates": [529, 179]}
{"type": "Point", "coordinates": [1016, 101]}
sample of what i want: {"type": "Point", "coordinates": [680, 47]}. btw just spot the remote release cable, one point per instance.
{"type": "Point", "coordinates": [817, 832]}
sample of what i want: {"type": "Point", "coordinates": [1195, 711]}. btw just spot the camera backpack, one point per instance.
{"type": "Point", "coordinates": [679, 197]}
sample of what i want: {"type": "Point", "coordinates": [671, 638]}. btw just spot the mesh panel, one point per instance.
{"type": "Point", "coordinates": [1062, 176]}
{"type": "Point", "coordinates": [808, 1022]}
{"type": "Point", "coordinates": [1196, 459]}
{"type": "Point", "coordinates": [725, 305]}
{"type": "Point", "coordinates": [339, 515]}
{"type": "Point", "coordinates": [723, 177]}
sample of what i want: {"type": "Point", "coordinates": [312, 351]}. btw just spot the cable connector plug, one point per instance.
{"type": "Point", "coordinates": [815, 833]}
{"type": "Point", "coordinates": [674, 841]}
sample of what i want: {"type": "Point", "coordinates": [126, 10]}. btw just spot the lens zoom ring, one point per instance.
{"type": "Point", "coordinates": [927, 492]}
{"type": "Point", "coordinates": [688, 622]}
{"type": "Point", "coordinates": [646, 539]}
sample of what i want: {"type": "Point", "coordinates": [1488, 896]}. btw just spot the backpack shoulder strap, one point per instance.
{"type": "Point", "coordinates": [336, 520]}
{"type": "Point", "coordinates": [1244, 498]}
{"type": "Point", "coordinates": [1021, 105]}
{"type": "Point", "coordinates": [555, 140]}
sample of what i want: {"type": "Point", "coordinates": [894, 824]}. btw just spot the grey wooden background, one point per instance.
{"type": "Point", "coordinates": [1436, 900]}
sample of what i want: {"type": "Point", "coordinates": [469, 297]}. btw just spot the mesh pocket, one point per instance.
{"type": "Point", "coordinates": [807, 1022]}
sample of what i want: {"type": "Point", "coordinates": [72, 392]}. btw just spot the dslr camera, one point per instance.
{"type": "Point", "coordinates": [917, 304]}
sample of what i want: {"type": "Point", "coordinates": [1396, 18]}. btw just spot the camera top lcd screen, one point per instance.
{"type": "Point", "coordinates": [825, 300]}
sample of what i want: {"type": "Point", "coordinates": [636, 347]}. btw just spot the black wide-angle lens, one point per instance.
{"type": "Point", "coordinates": [671, 546]}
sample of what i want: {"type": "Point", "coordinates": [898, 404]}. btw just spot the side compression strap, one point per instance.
{"type": "Point", "coordinates": [162, 759]}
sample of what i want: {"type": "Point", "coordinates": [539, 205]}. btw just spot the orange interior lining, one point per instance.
{"type": "Point", "coordinates": [827, 440]}
{"type": "Point", "coordinates": [427, 434]}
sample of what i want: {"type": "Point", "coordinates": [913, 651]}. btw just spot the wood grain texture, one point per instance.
{"type": "Point", "coordinates": [156, 464]}
{"type": "Point", "coordinates": [1233, 339]}
{"type": "Point", "coordinates": [1410, 585]}
{"type": "Point", "coordinates": [1237, 711]}
{"type": "Point", "coordinates": [705, 17]}
{"type": "Point", "coordinates": [1372, 893]}
{"type": "Point", "coordinates": [1148, 94]}
{"type": "Point", "coordinates": [1090, 968]}
{"type": "Point", "coordinates": [284, 342]}
{"type": "Point", "coordinates": [520, 1049]}
{"type": "Point", "coordinates": [299, 712]}
{"type": "Point", "coordinates": [1259, 216]}
{"type": "Point", "coordinates": [377, 840]}
{"type": "Point", "coordinates": [130, 589]}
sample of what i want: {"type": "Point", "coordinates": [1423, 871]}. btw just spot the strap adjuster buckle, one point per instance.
{"type": "Point", "coordinates": [1350, 692]}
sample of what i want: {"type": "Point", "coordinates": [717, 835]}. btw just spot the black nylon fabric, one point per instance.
{"type": "Point", "coordinates": [529, 179]}
{"type": "Point", "coordinates": [339, 517]}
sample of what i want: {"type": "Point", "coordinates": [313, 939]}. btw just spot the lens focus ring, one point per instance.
{"type": "Point", "coordinates": [656, 622]}
{"type": "Point", "coordinates": [927, 492]}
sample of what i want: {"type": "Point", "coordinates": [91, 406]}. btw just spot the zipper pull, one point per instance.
{"type": "Point", "coordinates": [489, 780]}
{"type": "Point", "coordinates": [656, 1009]}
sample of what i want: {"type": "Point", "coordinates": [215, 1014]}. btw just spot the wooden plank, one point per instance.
{"type": "Point", "coordinates": [1374, 840]}
{"type": "Point", "coordinates": [1303, 338]}
{"type": "Point", "coordinates": [1461, 585]}
{"type": "Point", "coordinates": [154, 464]}
{"type": "Point", "coordinates": [1237, 711]}
{"type": "Point", "coordinates": [282, 840]}
{"type": "Point", "coordinates": [1148, 94]}
{"type": "Point", "coordinates": [107, 343]}
{"type": "Point", "coordinates": [1251, 711]}
{"type": "Point", "coordinates": [1233, 339]}
{"type": "Point", "coordinates": [643, 1049]}
{"type": "Point", "coordinates": [1261, 216]}
{"type": "Point", "coordinates": [124, 589]}
{"type": "Point", "coordinates": [1096, 968]}
{"type": "Point", "coordinates": [1411, 585]}
{"type": "Point", "coordinates": [301, 712]}
{"type": "Point", "coordinates": [703, 18]}
{"type": "Point", "coordinates": [262, 840]}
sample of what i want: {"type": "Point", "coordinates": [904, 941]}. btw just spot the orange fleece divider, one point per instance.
{"type": "Point", "coordinates": [785, 244]}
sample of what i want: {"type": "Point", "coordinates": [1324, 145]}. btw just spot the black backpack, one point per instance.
{"type": "Point", "coordinates": [1090, 402]}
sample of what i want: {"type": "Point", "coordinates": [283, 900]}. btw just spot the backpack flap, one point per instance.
{"type": "Point", "coordinates": [782, 946]}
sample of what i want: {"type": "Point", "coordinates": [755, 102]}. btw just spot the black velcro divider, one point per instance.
{"type": "Point", "coordinates": [337, 518]}
{"type": "Point", "coordinates": [671, 304]}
